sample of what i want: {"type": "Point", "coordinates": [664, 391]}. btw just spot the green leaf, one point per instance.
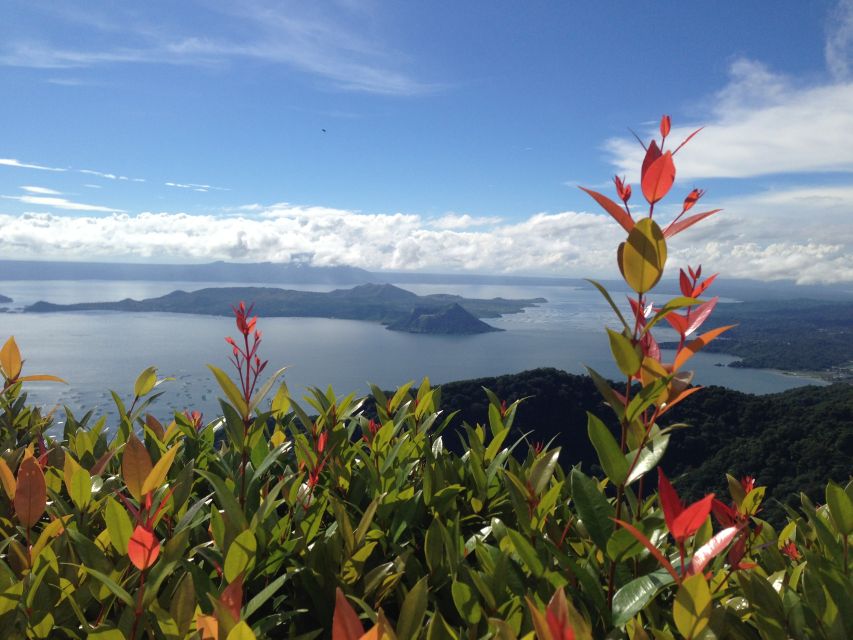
{"type": "Point", "coordinates": [624, 353]}
{"type": "Point", "coordinates": [230, 390]}
{"type": "Point", "coordinates": [609, 453]}
{"type": "Point", "coordinates": [145, 382]}
{"type": "Point", "coordinates": [413, 610]}
{"type": "Point", "coordinates": [81, 488]}
{"type": "Point", "coordinates": [607, 393]}
{"type": "Point", "coordinates": [840, 507]}
{"type": "Point", "coordinates": [676, 303]}
{"type": "Point", "coordinates": [612, 304]}
{"type": "Point", "coordinates": [593, 508]}
{"type": "Point", "coordinates": [265, 594]}
{"type": "Point", "coordinates": [110, 584]}
{"type": "Point", "coordinates": [466, 602]}
{"type": "Point", "coordinates": [542, 470]}
{"type": "Point", "coordinates": [526, 552]}
{"type": "Point", "coordinates": [649, 457]}
{"type": "Point", "coordinates": [241, 554]}
{"type": "Point", "coordinates": [182, 607]}
{"type": "Point", "coordinates": [118, 525]}
{"type": "Point", "coordinates": [634, 596]}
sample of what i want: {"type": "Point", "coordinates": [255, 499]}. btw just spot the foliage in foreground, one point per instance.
{"type": "Point", "coordinates": [282, 521]}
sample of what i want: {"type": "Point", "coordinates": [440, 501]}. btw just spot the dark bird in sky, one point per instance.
{"type": "Point", "coordinates": [323, 130]}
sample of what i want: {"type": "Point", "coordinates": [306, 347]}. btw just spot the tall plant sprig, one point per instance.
{"type": "Point", "coordinates": [245, 397]}
{"type": "Point", "coordinates": [652, 387]}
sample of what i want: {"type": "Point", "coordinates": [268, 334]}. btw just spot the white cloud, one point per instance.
{"type": "Point", "coordinates": [109, 176]}
{"type": "Point", "coordinates": [464, 221]}
{"type": "Point", "coordinates": [567, 243]}
{"type": "Point", "coordinates": [60, 203]}
{"type": "Point", "coordinates": [42, 191]}
{"type": "Point", "coordinates": [763, 123]}
{"type": "Point", "coordinates": [203, 188]}
{"type": "Point", "coordinates": [11, 162]}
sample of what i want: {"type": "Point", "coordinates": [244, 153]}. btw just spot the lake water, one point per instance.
{"type": "Point", "coordinates": [98, 351]}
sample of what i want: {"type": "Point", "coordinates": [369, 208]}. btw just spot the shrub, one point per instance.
{"type": "Point", "coordinates": [278, 520]}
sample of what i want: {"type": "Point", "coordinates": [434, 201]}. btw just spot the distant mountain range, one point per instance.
{"type": "Point", "coordinates": [401, 310]}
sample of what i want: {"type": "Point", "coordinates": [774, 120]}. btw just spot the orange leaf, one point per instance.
{"type": "Point", "coordinates": [8, 479]}
{"type": "Point", "coordinates": [658, 179]}
{"type": "Point", "coordinates": [135, 466]}
{"type": "Point", "coordinates": [345, 622]}
{"type": "Point", "coordinates": [30, 493]}
{"type": "Point", "coordinates": [10, 359]}
{"type": "Point", "coordinates": [207, 626]}
{"type": "Point", "coordinates": [143, 548]}
{"type": "Point", "coordinates": [694, 346]}
{"type": "Point", "coordinates": [681, 225]}
{"type": "Point", "coordinates": [618, 213]}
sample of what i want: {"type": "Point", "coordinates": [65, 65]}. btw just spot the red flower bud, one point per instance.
{"type": "Point", "coordinates": [622, 190]}
{"type": "Point", "coordinates": [665, 124]}
{"type": "Point", "coordinates": [692, 198]}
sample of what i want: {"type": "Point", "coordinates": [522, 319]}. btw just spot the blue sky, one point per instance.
{"type": "Point", "coordinates": [455, 132]}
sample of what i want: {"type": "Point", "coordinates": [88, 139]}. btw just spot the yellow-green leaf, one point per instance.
{"type": "Point", "coordinates": [7, 479]}
{"type": "Point", "coordinates": [145, 382]}
{"type": "Point", "coordinates": [157, 476]}
{"type": "Point", "coordinates": [230, 390]}
{"type": "Point", "coordinates": [241, 554]}
{"type": "Point", "coordinates": [692, 608]}
{"type": "Point", "coordinates": [643, 255]}
{"type": "Point", "coordinates": [241, 631]}
{"type": "Point", "coordinates": [81, 488]}
{"type": "Point", "coordinates": [625, 354]}
{"type": "Point", "coordinates": [118, 525]}
{"type": "Point", "coordinates": [609, 453]}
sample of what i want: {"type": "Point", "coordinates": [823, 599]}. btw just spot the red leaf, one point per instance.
{"type": "Point", "coordinates": [688, 521]}
{"type": "Point", "coordinates": [232, 597]}
{"type": "Point", "coordinates": [30, 493]}
{"type": "Point", "coordinates": [345, 622]}
{"type": "Point", "coordinates": [711, 549]}
{"type": "Point", "coordinates": [681, 225]}
{"type": "Point", "coordinates": [652, 154]}
{"type": "Point", "coordinates": [700, 288]}
{"type": "Point", "coordinates": [677, 321]}
{"type": "Point", "coordinates": [618, 213]}
{"type": "Point", "coordinates": [665, 125]}
{"type": "Point", "coordinates": [669, 500]}
{"type": "Point", "coordinates": [691, 348]}
{"type": "Point", "coordinates": [666, 564]}
{"type": "Point", "coordinates": [685, 284]}
{"type": "Point", "coordinates": [686, 140]}
{"type": "Point", "coordinates": [143, 548]}
{"type": "Point", "coordinates": [724, 514]}
{"type": "Point", "coordinates": [658, 178]}
{"type": "Point", "coordinates": [698, 315]}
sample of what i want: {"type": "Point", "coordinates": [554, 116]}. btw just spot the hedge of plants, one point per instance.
{"type": "Point", "coordinates": [286, 519]}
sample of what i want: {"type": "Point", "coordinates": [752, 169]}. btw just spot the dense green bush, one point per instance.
{"type": "Point", "coordinates": [278, 520]}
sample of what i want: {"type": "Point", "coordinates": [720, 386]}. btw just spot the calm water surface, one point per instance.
{"type": "Point", "coordinates": [98, 351]}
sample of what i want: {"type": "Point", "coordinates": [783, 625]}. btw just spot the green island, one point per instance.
{"type": "Point", "coordinates": [399, 309]}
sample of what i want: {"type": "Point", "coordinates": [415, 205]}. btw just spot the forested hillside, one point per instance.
{"type": "Point", "coordinates": [791, 442]}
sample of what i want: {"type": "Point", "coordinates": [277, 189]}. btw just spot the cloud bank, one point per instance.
{"type": "Point", "coordinates": [568, 243]}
